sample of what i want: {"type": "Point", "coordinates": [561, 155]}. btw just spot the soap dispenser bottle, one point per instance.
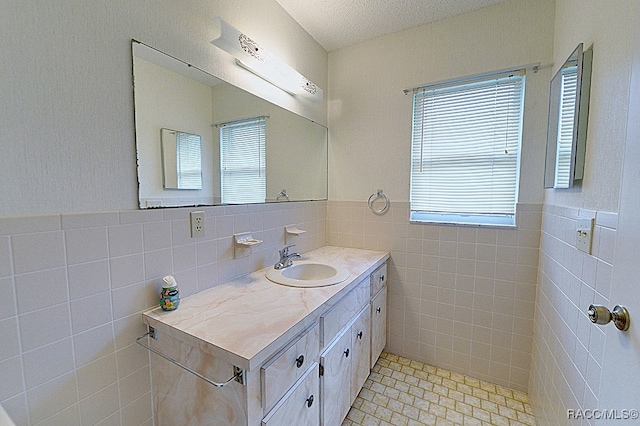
{"type": "Point", "coordinates": [170, 294]}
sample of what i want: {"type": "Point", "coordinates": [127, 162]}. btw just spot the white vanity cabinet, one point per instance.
{"type": "Point", "coordinates": [378, 313]}
{"type": "Point", "coordinates": [344, 362]}
{"type": "Point", "coordinates": [304, 353]}
{"type": "Point", "coordinates": [301, 405]}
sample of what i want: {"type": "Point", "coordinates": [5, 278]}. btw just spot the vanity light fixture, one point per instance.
{"type": "Point", "coordinates": [251, 56]}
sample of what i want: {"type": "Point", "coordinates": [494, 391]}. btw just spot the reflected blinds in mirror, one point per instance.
{"type": "Point", "coordinates": [242, 158]}
{"type": "Point", "coordinates": [566, 126]}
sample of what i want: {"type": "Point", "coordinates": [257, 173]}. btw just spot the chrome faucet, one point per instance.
{"type": "Point", "coordinates": [286, 258]}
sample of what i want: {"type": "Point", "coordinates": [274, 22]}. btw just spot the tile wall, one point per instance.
{"type": "Point", "coordinates": [460, 298]}
{"type": "Point", "coordinates": [73, 287]}
{"type": "Point", "coordinates": [568, 350]}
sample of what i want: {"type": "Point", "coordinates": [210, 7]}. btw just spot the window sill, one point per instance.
{"type": "Point", "coordinates": [501, 221]}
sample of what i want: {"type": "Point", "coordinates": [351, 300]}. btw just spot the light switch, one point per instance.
{"type": "Point", "coordinates": [584, 234]}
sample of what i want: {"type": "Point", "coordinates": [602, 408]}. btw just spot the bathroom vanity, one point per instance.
{"type": "Point", "coordinates": [298, 356]}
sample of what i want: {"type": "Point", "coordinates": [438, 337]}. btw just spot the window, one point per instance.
{"type": "Point", "coordinates": [465, 150]}
{"type": "Point", "coordinates": [242, 158]}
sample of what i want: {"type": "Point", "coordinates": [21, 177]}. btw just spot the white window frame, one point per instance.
{"type": "Point", "coordinates": [439, 149]}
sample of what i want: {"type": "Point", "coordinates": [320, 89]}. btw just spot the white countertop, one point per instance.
{"type": "Point", "coordinates": [246, 320]}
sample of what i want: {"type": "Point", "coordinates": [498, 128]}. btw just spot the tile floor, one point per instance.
{"type": "Point", "coordinates": [402, 392]}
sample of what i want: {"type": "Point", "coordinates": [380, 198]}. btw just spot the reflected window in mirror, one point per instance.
{"type": "Point", "coordinates": [242, 161]}
{"type": "Point", "coordinates": [181, 159]}
{"type": "Point", "coordinates": [567, 125]}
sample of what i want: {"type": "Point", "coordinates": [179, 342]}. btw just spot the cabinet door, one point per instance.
{"type": "Point", "coordinates": [335, 382]}
{"type": "Point", "coordinates": [361, 358]}
{"type": "Point", "coordinates": [300, 405]}
{"type": "Point", "coordinates": [378, 325]}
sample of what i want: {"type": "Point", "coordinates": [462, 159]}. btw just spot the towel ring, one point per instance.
{"type": "Point", "coordinates": [376, 196]}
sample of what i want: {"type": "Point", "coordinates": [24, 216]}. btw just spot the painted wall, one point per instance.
{"type": "Point", "coordinates": [599, 25]}
{"type": "Point", "coordinates": [370, 116]}
{"type": "Point", "coordinates": [460, 298]}
{"type": "Point", "coordinates": [67, 105]}
{"type": "Point", "coordinates": [568, 351]}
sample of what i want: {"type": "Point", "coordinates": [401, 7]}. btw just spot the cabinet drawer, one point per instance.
{"type": "Point", "coordinates": [334, 320]}
{"type": "Point", "coordinates": [301, 405]}
{"type": "Point", "coordinates": [378, 279]}
{"type": "Point", "coordinates": [281, 372]}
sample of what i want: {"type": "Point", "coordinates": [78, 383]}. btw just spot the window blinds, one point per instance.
{"type": "Point", "coordinates": [189, 160]}
{"type": "Point", "coordinates": [566, 126]}
{"type": "Point", "coordinates": [242, 152]}
{"type": "Point", "coordinates": [465, 150]}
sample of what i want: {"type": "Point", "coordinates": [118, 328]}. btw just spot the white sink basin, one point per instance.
{"type": "Point", "coordinates": [308, 274]}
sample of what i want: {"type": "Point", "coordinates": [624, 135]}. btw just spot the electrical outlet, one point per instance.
{"type": "Point", "coordinates": [197, 224]}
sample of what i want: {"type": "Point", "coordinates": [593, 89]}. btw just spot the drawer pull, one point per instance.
{"type": "Point", "coordinates": [381, 278]}
{"type": "Point", "coordinates": [346, 353]}
{"type": "Point", "coordinates": [360, 335]}
{"type": "Point", "coordinates": [310, 401]}
{"type": "Point", "coordinates": [378, 309]}
{"type": "Point", "coordinates": [299, 361]}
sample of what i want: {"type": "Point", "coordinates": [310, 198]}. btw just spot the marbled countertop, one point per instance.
{"type": "Point", "coordinates": [246, 320]}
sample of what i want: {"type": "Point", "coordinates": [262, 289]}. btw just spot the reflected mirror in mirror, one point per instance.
{"type": "Point", "coordinates": [181, 159]}
{"type": "Point", "coordinates": [567, 125]}
{"type": "Point", "coordinates": [252, 151]}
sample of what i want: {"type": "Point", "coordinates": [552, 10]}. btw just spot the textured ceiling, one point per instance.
{"type": "Point", "coordinates": [340, 23]}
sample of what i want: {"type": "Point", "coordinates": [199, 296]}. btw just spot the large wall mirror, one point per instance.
{"type": "Point", "coordinates": [568, 116]}
{"type": "Point", "coordinates": [242, 149]}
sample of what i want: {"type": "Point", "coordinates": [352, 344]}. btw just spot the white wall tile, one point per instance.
{"type": "Point", "coordinates": [48, 362]}
{"type": "Point", "coordinates": [86, 279]}
{"type": "Point", "coordinates": [96, 343]}
{"type": "Point", "coordinates": [96, 375]}
{"type": "Point", "coordinates": [38, 328]}
{"type": "Point", "coordinates": [35, 252]}
{"type": "Point", "coordinates": [125, 239]}
{"type": "Point", "coordinates": [41, 289]}
{"type": "Point", "coordinates": [567, 352]}
{"type": "Point", "coordinates": [77, 295]}
{"type": "Point", "coordinates": [126, 270]}
{"type": "Point", "coordinates": [6, 268]}
{"type": "Point", "coordinates": [100, 405]}
{"type": "Point", "coordinates": [10, 346]}
{"type": "Point", "coordinates": [12, 380]}
{"type": "Point", "coordinates": [135, 385]}
{"type": "Point", "coordinates": [86, 245]}
{"type": "Point", "coordinates": [43, 406]}
{"type": "Point", "coordinates": [67, 417]}
{"type": "Point", "coordinates": [7, 289]}
{"type": "Point", "coordinates": [90, 312]}
{"type": "Point", "coordinates": [156, 235]}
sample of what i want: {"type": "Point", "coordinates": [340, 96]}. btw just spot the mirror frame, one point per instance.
{"type": "Point", "coordinates": [583, 61]}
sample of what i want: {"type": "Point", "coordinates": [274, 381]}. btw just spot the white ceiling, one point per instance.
{"type": "Point", "coordinates": [340, 23]}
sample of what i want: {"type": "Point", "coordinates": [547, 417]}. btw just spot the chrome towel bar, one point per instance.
{"type": "Point", "coordinates": [238, 373]}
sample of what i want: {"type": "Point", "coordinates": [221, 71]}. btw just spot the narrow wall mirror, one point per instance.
{"type": "Point", "coordinates": [568, 116]}
{"type": "Point", "coordinates": [172, 94]}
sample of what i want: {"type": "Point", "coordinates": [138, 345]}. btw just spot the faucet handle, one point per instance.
{"type": "Point", "coordinates": [285, 250]}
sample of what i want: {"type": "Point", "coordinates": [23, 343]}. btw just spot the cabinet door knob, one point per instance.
{"type": "Point", "coordinates": [299, 361]}
{"type": "Point", "coordinates": [310, 401]}
{"type": "Point", "coordinates": [360, 335]}
{"type": "Point", "coordinates": [346, 353]}
{"type": "Point", "coordinates": [378, 309]}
